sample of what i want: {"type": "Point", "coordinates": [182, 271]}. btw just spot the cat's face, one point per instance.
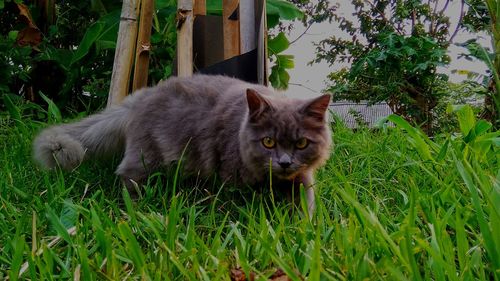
{"type": "Point", "coordinates": [284, 137]}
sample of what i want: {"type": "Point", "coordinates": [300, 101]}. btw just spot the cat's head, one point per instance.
{"type": "Point", "coordinates": [287, 135]}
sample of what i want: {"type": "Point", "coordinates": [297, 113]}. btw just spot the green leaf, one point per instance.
{"type": "Point", "coordinates": [389, 39]}
{"type": "Point", "coordinates": [443, 151]}
{"type": "Point", "coordinates": [482, 126]}
{"type": "Point", "coordinates": [19, 245]}
{"type": "Point", "coordinates": [274, 77]}
{"type": "Point", "coordinates": [272, 20]}
{"type": "Point", "coordinates": [13, 35]}
{"type": "Point", "coordinates": [417, 138]}
{"type": "Point", "coordinates": [129, 206]}
{"type": "Point", "coordinates": [53, 111]}
{"type": "Point", "coordinates": [214, 7]}
{"type": "Point", "coordinates": [381, 56]}
{"type": "Point", "coordinates": [160, 4]}
{"type": "Point", "coordinates": [103, 44]}
{"type": "Point", "coordinates": [284, 78]}
{"type": "Point", "coordinates": [14, 111]}
{"type": "Point", "coordinates": [132, 245]}
{"type": "Point", "coordinates": [278, 44]}
{"type": "Point", "coordinates": [279, 78]}
{"type": "Point", "coordinates": [467, 174]}
{"type": "Point", "coordinates": [69, 214]}
{"type": "Point", "coordinates": [105, 29]}
{"type": "Point", "coordinates": [466, 119]}
{"type": "Point", "coordinates": [286, 10]}
{"type": "Point", "coordinates": [62, 56]}
{"type": "Point", "coordinates": [112, 22]}
{"type": "Point", "coordinates": [91, 35]}
{"type": "Point", "coordinates": [421, 66]}
{"type": "Point", "coordinates": [409, 50]}
{"type": "Point", "coordinates": [167, 71]}
{"type": "Point", "coordinates": [285, 61]}
{"type": "Point", "coordinates": [57, 224]}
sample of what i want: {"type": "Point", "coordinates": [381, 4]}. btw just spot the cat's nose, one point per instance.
{"type": "Point", "coordinates": [285, 165]}
{"type": "Point", "coordinates": [285, 161]}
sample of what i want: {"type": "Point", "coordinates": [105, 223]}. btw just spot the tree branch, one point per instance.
{"type": "Point", "coordinates": [459, 23]}
{"type": "Point", "coordinates": [445, 7]}
{"type": "Point", "coordinates": [303, 33]}
{"type": "Point", "coordinates": [303, 86]}
{"type": "Point", "coordinates": [413, 19]}
{"type": "Point", "coordinates": [382, 14]}
{"type": "Point", "coordinates": [433, 18]}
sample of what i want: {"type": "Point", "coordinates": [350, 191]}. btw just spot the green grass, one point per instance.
{"type": "Point", "coordinates": [392, 205]}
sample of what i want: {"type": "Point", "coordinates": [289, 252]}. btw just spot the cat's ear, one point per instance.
{"type": "Point", "coordinates": [316, 108]}
{"type": "Point", "coordinates": [257, 105]}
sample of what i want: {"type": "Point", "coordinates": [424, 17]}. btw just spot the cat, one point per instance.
{"type": "Point", "coordinates": [244, 132]}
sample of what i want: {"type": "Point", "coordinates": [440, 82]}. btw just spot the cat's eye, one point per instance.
{"type": "Point", "coordinates": [301, 143]}
{"type": "Point", "coordinates": [268, 142]}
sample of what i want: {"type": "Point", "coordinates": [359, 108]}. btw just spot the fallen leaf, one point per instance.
{"type": "Point", "coordinates": [280, 275]}
{"type": "Point", "coordinates": [237, 274]}
{"type": "Point", "coordinates": [281, 278]}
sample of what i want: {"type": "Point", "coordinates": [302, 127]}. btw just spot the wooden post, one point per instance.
{"type": "Point", "coordinates": [124, 52]}
{"type": "Point", "coordinates": [143, 47]}
{"type": "Point", "coordinates": [247, 26]}
{"type": "Point", "coordinates": [200, 7]}
{"type": "Point", "coordinates": [185, 38]}
{"type": "Point", "coordinates": [231, 27]}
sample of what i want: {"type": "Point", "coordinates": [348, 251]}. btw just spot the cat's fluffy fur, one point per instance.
{"type": "Point", "coordinates": [219, 121]}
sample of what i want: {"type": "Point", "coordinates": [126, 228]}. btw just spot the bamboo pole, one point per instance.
{"type": "Point", "coordinates": [231, 28]}
{"type": "Point", "coordinates": [143, 47]}
{"type": "Point", "coordinates": [262, 62]}
{"type": "Point", "coordinates": [124, 52]}
{"type": "Point", "coordinates": [185, 38]}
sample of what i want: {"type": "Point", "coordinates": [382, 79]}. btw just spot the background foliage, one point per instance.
{"type": "Point", "coordinates": [394, 48]}
{"type": "Point", "coordinates": [63, 49]}
{"type": "Point", "coordinates": [74, 51]}
{"type": "Point", "coordinates": [482, 16]}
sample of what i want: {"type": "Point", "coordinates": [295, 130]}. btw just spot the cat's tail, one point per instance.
{"type": "Point", "coordinates": [69, 144]}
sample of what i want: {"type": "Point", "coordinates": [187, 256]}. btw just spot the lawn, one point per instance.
{"type": "Point", "coordinates": [392, 204]}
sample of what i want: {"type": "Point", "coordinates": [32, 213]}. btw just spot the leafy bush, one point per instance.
{"type": "Point", "coordinates": [456, 94]}
{"type": "Point", "coordinates": [70, 56]}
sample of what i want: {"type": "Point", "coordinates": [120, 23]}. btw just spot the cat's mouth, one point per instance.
{"type": "Point", "coordinates": [285, 173]}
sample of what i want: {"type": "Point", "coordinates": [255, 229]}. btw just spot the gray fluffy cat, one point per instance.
{"type": "Point", "coordinates": [228, 126]}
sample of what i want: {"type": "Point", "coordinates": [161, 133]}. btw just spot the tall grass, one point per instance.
{"type": "Point", "coordinates": [392, 204]}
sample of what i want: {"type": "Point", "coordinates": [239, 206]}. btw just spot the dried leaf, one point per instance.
{"type": "Point", "coordinates": [25, 15]}
{"type": "Point", "coordinates": [237, 275]}
{"type": "Point", "coordinates": [281, 278]}
{"type": "Point", "coordinates": [280, 275]}
{"type": "Point", "coordinates": [30, 35]}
